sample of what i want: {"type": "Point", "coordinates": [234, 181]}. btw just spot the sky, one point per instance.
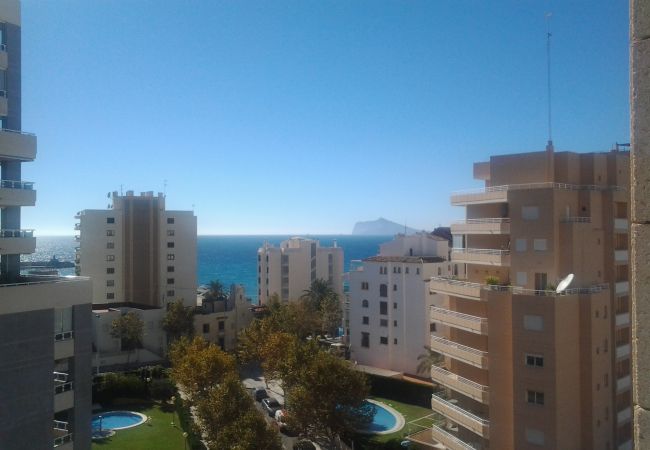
{"type": "Point", "coordinates": [306, 116]}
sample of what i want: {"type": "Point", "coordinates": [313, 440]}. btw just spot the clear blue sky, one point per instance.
{"type": "Point", "coordinates": [305, 116]}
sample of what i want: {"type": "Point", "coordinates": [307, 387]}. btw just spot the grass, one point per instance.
{"type": "Point", "coordinates": [157, 433]}
{"type": "Point", "coordinates": [416, 418]}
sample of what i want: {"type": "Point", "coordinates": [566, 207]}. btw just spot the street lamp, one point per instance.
{"type": "Point", "coordinates": [185, 439]}
{"type": "Point", "coordinates": [173, 399]}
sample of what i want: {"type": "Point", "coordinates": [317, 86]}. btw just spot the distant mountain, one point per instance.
{"type": "Point", "coordinates": [380, 226]}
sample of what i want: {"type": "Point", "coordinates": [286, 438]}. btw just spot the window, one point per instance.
{"type": "Point", "coordinates": [171, 233]}
{"type": "Point", "coordinates": [530, 212]}
{"type": "Point", "coordinates": [394, 269]}
{"type": "Point", "coordinates": [533, 322]}
{"type": "Point", "coordinates": [365, 340]}
{"type": "Point", "coordinates": [606, 380]}
{"type": "Point", "coordinates": [522, 278]}
{"type": "Point", "coordinates": [206, 327]}
{"type": "Point", "coordinates": [110, 296]}
{"type": "Point", "coordinates": [383, 322]}
{"type": "Point", "coordinates": [170, 257]}
{"type": "Point", "coordinates": [399, 270]}
{"type": "Point", "coordinates": [364, 285]}
{"type": "Point", "coordinates": [110, 233]}
{"type": "Point", "coordinates": [110, 283]}
{"type": "Point", "coordinates": [439, 271]}
{"type": "Point", "coordinates": [170, 281]}
{"type": "Point", "coordinates": [170, 293]}
{"type": "Point", "coordinates": [366, 320]}
{"type": "Point", "coordinates": [534, 360]}
{"type": "Point", "coordinates": [535, 398]}
{"type": "Point", "coordinates": [364, 303]}
{"type": "Point", "coordinates": [222, 343]}
{"type": "Point", "coordinates": [417, 271]}
{"type": "Point", "coordinates": [383, 308]}
{"type": "Point", "coordinates": [541, 281]}
{"type": "Point", "coordinates": [534, 436]}
{"type": "Point", "coordinates": [110, 245]}
{"type": "Point", "coordinates": [110, 220]}
{"type": "Point", "coordinates": [406, 270]}
{"type": "Point", "coordinates": [170, 268]}
{"type": "Point", "coordinates": [520, 245]}
{"type": "Point", "coordinates": [383, 290]}
{"type": "Point", "coordinates": [394, 287]}
{"type": "Point", "coordinates": [432, 328]}
{"type": "Point", "coordinates": [170, 245]}
{"type": "Point", "coordinates": [222, 325]}
{"type": "Point", "coordinates": [395, 341]}
{"type": "Point", "coordinates": [394, 323]}
{"type": "Point", "coordinates": [110, 270]}
{"type": "Point", "coordinates": [383, 340]}
{"type": "Point", "coordinates": [394, 305]}
{"type": "Point", "coordinates": [110, 257]}
{"type": "Point", "coordinates": [170, 220]}
{"type": "Point", "coordinates": [539, 245]}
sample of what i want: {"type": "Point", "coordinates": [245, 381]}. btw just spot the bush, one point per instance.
{"type": "Point", "coordinates": [402, 391]}
{"type": "Point", "coordinates": [161, 389]}
{"type": "Point", "coordinates": [114, 385]}
{"type": "Point", "coordinates": [492, 280]}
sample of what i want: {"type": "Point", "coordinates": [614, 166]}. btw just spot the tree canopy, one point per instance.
{"type": "Point", "coordinates": [129, 329]}
{"type": "Point", "coordinates": [178, 321]}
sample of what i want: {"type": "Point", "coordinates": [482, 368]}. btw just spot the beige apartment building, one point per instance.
{"type": "Point", "coordinates": [288, 270]}
{"type": "Point", "coordinates": [525, 367]}
{"type": "Point", "coordinates": [45, 378]}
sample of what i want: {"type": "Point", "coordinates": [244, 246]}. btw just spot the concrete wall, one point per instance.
{"type": "Point", "coordinates": [82, 376]}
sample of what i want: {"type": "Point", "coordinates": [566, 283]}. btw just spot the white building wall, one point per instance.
{"type": "Point", "coordinates": [182, 234]}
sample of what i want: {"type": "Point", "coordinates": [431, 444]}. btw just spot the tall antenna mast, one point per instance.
{"type": "Point", "coordinates": [548, 76]}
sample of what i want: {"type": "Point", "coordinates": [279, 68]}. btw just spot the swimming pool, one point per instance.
{"type": "Point", "coordinates": [385, 420]}
{"type": "Point", "coordinates": [117, 420]}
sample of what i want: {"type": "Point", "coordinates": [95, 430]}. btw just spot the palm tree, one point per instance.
{"type": "Point", "coordinates": [317, 293]}
{"type": "Point", "coordinates": [215, 292]}
{"type": "Point", "coordinates": [428, 359]}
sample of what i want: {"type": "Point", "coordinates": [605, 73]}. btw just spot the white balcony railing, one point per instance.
{"type": "Point", "coordinates": [623, 319]}
{"type": "Point", "coordinates": [457, 414]}
{"type": "Point", "coordinates": [61, 433]}
{"type": "Point", "coordinates": [487, 256]}
{"type": "Point", "coordinates": [459, 288]}
{"type": "Point", "coordinates": [460, 384]}
{"type": "Point", "coordinates": [622, 287]}
{"type": "Point", "coordinates": [621, 224]}
{"type": "Point", "coordinates": [449, 440]}
{"type": "Point", "coordinates": [488, 225]}
{"type": "Point", "coordinates": [623, 383]}
{"type": "Point", "coordinates": [10, 184]}
{"type": "Point", "coordinates": [8, 233]}
{"type": "Point", "coordinates": [621, 256]}
{"type": "Point", "coordinates": [624, 415]}
{"type": "Point", "coordinates": [623, 351]}
{"type": "Point", "coordinates": [468, 355]}
{"type": "Point", "coordinates": [455, 319]}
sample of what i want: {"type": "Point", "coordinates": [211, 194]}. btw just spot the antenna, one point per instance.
{"type": "Point", "coordinates": [165, 188]}
{"type": "Point", "coordinates": [548, 75]}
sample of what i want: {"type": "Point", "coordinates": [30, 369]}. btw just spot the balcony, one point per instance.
{"type": "Point", "coordinates": [63, 392]}
{"type": "Point", "coordinates": [17, 242]}
{"type": "Point", "coordinates": [624, 415]}
{"type": "Point", "coordinates": [449, 440]}
{"type": "Point", "coordinates": [622, 287]}
{"type": "Point", "coordinates": [484, 256]}
{"type": "Point", "coordinates": [4, 57]}
{"type": "Point", "coordinates": [15, 144]}
{"type": "Point", "coordinates": [621, 256]}
{"type": "Point", "coordinates": [623, 319]}
{"type": "Point", "coordinates": [623, 384]}
{"type": "Point", "coordinates": [622, 351]}
{"type": "Point", "coordinates": [457, 288]}
{"type": "Point", "coordinates": [17, 193]}
{"type": "Point", "coordinates": [62, 436]}
{"type": "Point", "coordinates": [481, 226]}
{"type": "Point", "coordinates": [478, 196]}
{"type": "Point", "coordinates": [621, 225]}
{"type": "Point", "coordinates": [457, 414]}
{"type": "Point", "coordinates": [626, 445]}
{"type": "Point", "coordinates": [468, 355]}
{"type": "Point", "coordinates": [473, 324]}
{"type": "Point", "coordinates": [462, 385]}
{"type": "Point", "coordinates": [63, 344]}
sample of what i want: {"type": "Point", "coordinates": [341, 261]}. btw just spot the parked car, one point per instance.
{"type": "Point", "coordinates": [260, 394]}
{"type": "Point", "coordinates": [271, 405]}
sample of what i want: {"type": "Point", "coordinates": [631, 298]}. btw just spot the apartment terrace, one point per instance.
{"type": "Point", "coordinates": [484, 256]}
{"type": "Point", "coordinates": [499, 225]}
{"type": "Point", "coordinates": [468, 355]}
{"type": "Point", "coordinates": [432, 437]}
{"type": "Point", "coordinates": [457, 288]}
{"type": "Point", "coordinates": [473, 324]}
{"type": "Point", "coordinates": [15, 242]}
{"type": "Point", "coordinates": [16, 145]}
{"type": "Point", "coordinates": [17, 193]}
{"type": "Point", "coordinates": [62, 437]}
{"type": "Point", "coordinates": [462, 385]}
{"type": "Point", "coordinates": [499, 194]}
{"type": "Point", "coordinates": [467, 419]}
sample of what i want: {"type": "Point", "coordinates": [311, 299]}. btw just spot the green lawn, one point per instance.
{"type": "Point", "coordinates": [157, 433]}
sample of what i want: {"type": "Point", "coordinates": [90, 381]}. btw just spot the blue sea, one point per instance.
{"type": "Point", "coordinates": [229, 259]}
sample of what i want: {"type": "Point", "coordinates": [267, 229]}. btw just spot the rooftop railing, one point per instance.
{"type": "Point", "coordinates": [543, 185]}
{"type": "Point", "coordinates": [11, 184]}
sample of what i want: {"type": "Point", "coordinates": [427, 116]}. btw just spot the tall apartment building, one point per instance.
{"type": "Point", "coordinates": [290, 269]}
{"type": "Point", "coordinates": [525, 367]}
{"type": "Point", "coordinates": [389, 300]}
{"type": "Point", "coordinates": [45, 379]}
{"type": "Point", "coordinates": [137, 252]}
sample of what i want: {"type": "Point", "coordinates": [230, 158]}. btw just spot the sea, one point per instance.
{"type": "Point", "coordinates": [229, 259]}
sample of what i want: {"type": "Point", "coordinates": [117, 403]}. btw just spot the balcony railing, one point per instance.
{"type": "Point", "coordinates": [621, 256]}
{"type": "Point", "coordinates": [486, 256]}
{"type": "Point", "coordinates": [542, 185]}
{"type": "Point", "coordinates": [459, 288]}
{"type": "Point", "coordinates": [623, 351]}
{"type": "Point", "coordinates": [624, 415]}
{"type": "Point", "coordinates": [468, 355]}
{"type": "Point", "coordinates": [63, 335]}
{"type": "Point", "coordinates": [622, 287]}
{"type": "Point", "coordinates": [500, 225]}
{"type": "Point", "coordinates": [10, 184]}
{"type": "Point", "coordinates": [60, 377]}
{"type": "Point", "coordinates": [623, 319]}
{"type": "Point", "coordinates": [63, 387]}
{"type": "Point", "coordinates": [61, 433]}
{"type": "Point", "coordinates": [455, 319]}
{"type": "Point", "coordinates": [449, 440]}
{"type": "Point", "coordinates": [468, 289]}
{"type": "Point", "coordinates": [575, 219]}
{"type": "Point", "coordinates": [457, 414]}
{"type": "Point", "coordinates": [466, 387]}
{"type": "Point", "coordinates": [623, 383]}
{"type": "Point", "coordinates": [620, 224]}
{"type": "Point", "coordinates": [8, 233]}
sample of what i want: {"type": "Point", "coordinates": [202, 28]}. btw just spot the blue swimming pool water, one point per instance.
{"type": "Point", "coordinates": [116, 420]}
{"type": "Point", "coordinates": [382, 420]}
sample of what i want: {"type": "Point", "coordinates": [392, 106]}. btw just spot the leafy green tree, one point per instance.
{"type": "Point", "coordinates": [428, 359]}
{"type": "Point", "coordinates": [216, 292]}
{"type": "Point", "coordinates": [329, 399]}
{"type": "Point", "coordinates": [129, 329]}
{"type": "Point", "coordinates": [198, 365]}
{"type": "Point", "coordinates": [178, 321]}
{"type": "Point", "coordinates": [324, 301]}
{"type": "Point", "coordinates": [317, 292]}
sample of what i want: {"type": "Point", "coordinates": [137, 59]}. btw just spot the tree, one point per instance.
{"type": "Point", "coordinates": [129, 329]}
{"type": "Point", "coordinates": [198, 365]}
{"type": "Point", "coordinates": [178, 321]}
{"type": "Point", "coordinates": [216, 292]}
{"type": "Point", "coordinates": [428, 359]}
{"type": "Point", "coordinates": [321, 299]}
{"type": "Point", "coordinates": [317, 292]}
{"type": "Point", "coordinates": [329, 399]}
{"type": "Point", "coordinates": [230, 420]}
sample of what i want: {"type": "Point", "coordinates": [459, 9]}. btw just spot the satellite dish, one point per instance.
{"type": "Point", "coordinates": [564, 284]}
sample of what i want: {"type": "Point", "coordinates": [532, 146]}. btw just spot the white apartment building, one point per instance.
{"type": "Point", "coordinates": [137, 252]}
{"type": "Point", "coordinates": [389, 301]}
{"type": "Point", "coordinates": [290, 269]}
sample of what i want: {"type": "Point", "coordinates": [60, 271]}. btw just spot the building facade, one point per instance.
{"type": "Point", "coordinates": [45, 378]}
{"type": "Point", "coordinates": [221, 322]}
{"type": "Point", "coordinates": [291, 268]}
{"type": "Point", "coordinates": [137, 252]}
{"type": "Point", "coordinates": [526, 367]}
{"type": "Point", "coordinates": [389, 300]}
